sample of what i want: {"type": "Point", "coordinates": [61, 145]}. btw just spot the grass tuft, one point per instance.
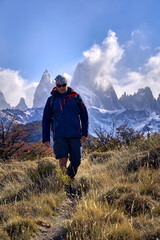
{"type": "Point", "coordinates": [4, 235]}
{"type": "Point", "coordinates": [134, 204]}
{"type": "Point", "coordinates": [20, 228]}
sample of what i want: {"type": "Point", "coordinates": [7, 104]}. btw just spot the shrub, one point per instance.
{"type": "Point", "coordinates": [97, 157]}
{"type": "Point", "coordinates": [34, 151]}
{"type": "Point", "coordinates": [20, 228]}
{"type": "Point", "coordinates": [47, 176]}
{"type": "Point", "coordinates": [92, 220]}
{"type": "Point", "coordinates": [85, 184]}
{"type": "Point", "coordinates": [156, 210]}
{"type": "Point", "coordinates": [4, 235]}
{"type": "Point", "coordinates": [44, 169]}
{"type": "Point", "coordinates": [155, 235]}
{"type": "Point", "coordinates": [134, 204]}
{"type": "Point", "coordinates": [11, 135]}
{"type": "Point", "coordinates": [123, 232]}
{"type": "Point", "coordinates": [149, 159]}
{"type": "Point", "coordinates": [115, 193]}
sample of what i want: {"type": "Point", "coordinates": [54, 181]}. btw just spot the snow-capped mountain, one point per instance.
{"type": "Point", "coordinates": [43, 90]}
{"type": "Point", "coordinates": [142, 100]}
{"type": "Point", "coordinates": [158, 102]}
{"type": "Point", "coordinates": [29, 115]}
{"type": "Point", "coordinates": [3, 103]}
{"type": "Point", "coordinates": [110, 120]}
{"type": "Point", "coordinates": [140, 111]}
{"type": "Point", "coordinates": [85, 83]}
{"type": "Point", "coordinates": [21, 105]}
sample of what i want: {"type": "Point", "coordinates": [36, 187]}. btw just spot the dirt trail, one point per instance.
{"type": "Point", "coordinates": [57, 231]}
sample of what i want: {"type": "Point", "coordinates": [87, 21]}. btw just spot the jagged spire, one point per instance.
{"type": "Point", "coordinates": [21, 105]}
{"type": "Point", "coordinates": [3, 103]}
{"type": "Point", "coordinates": [43, 90]}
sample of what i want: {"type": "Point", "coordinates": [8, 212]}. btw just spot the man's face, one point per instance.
{"type": "Point", "coordinates": [62, 87]}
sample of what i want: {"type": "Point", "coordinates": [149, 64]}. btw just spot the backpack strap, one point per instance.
{"type": "Point", "coordinates": [52, 100]}
{"type": "Point", "coordinates": [51, 105]}
{"type": "Point", "coordinates": [78, 101]}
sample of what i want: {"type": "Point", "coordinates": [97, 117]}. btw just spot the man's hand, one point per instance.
{"type": "Point", "coordinates": [83, 139]}
{"type": "Point", "coordinates": [47, 144]}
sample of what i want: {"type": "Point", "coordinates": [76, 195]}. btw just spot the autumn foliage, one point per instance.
{"type": "Point", "coordinates": [14, 141]}
{"type": "Point", "coordinates": [12, 137]}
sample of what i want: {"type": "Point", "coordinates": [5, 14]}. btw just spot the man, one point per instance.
{"type": "Point", "coordinates": [69, 120]}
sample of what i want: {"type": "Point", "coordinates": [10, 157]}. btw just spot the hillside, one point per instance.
{"type": "Point", "coordinates": [116, 195]}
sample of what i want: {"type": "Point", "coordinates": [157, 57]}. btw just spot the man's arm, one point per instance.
{"type": "Point", "coordinates": [83, 117]}
{"type": "Point", "coordinates": [46, 121]}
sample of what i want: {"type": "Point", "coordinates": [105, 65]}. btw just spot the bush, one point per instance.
{"type": "Point", "coordinates": [34, 151]}
{"type": "Point", "coordinates": [4, 235]}
{"type": "Point", "coordinates": [44, 169]}
{"type": "Point", "coordinates": [149, 159]}
{"type": "Point", "coordinates": [11, 135]}
{"type": "Point", "coordinates": [97, 157]}
{"type": "Point", "coordinates": [115, 193]}
{"type": "Point", "coordinates": [123, 232]}
{"type": "Point", "coordinates": [47, 176]}
{"type": "Point", "coordinates": [134, 204]}
{"type": "Point", "coordinates": [20, 228]}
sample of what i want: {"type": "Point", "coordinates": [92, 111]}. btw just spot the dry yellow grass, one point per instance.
{"type": "Point", "coordinates": [31, 191]}
{"type": "Point", "coordinates": [122, 197]}
{"type": "Point", "coordinates": [119, 189]}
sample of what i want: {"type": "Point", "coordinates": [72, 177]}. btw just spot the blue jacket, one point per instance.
{"type": "Point", "coordinates": [68, 118]}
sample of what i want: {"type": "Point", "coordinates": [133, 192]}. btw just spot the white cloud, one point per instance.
{"type": "Point", "coordinates": [102, 61]}
{"type": "Point", "coordinates": [93, 54]}
{"type": "Point", "coordinates": [14, 87]}
{"type": "Point", "coordinates": [68, 77]}
{"type": "Point", "coordinates": [144, 47]}
{"type": "Point", "coordinates": [102, 64]}
{"type": "Point", "coordinates": [148, 76]}
{"type": "Point", "coordinates": [108, 62]}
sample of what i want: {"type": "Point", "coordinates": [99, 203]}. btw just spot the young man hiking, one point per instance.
{"type": "Point", "coordinates": [67, 115]}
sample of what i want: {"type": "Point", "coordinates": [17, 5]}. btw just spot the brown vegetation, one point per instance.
{"type": "Point", "coordinates": [118, 184]}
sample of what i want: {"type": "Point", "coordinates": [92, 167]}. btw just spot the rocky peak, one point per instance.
{"type": "Point", "coordinates": [84, 81]}
{"type": "Point", "coordinates": [3, 103]}
{"type": "Point", "coordinates": [43, 90]}
{"type": "Point", "coordinates": [21, 105]}
{"type": "Point", "coordinates": [145, 93]}
{"type": "Point", "coordinates": [142, 100]}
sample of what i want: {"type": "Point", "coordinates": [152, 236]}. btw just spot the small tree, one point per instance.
{"type": "Point", "coordinates": [101, 137]}
{"type": "Point", "coordinates": [12, 135]}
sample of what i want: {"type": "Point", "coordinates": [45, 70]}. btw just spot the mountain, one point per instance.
{"type": "Point", "coordinates": [109, 120]}
{"type": "Point", "coordinates": [21, 105]}
{"type": "Point", "coordinates": [158, 102]}
{"type": "Point", "coordinates": [140, 111]}
{"type": "Point", "coordinates": [100, 95]}
{"type": "Point", "coordinates": [43, 90]}
{"type": "Point", "coordinates": [29, 115]}
{"type": "Point", "coordinates": [142, 100]}
{"type": "Point", "coordinates": [35, 131]}
{"type": "Point", "coordinates": [3, 103]}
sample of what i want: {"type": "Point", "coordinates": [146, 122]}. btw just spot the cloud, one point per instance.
{"type": "Point", "coordinates": [93, 54]}
{"type": "Point", "coordinates": [102, 59]}
{"type": "Point", "coordinates": [68, 77]}
{"type": "Point", "coordinates": [14, 87]}
{"type": "Point", "coordinates": [149, 75]}
{"type": "Point", "coordinates": [102, 64]}
{"type": "Point", "coordinates": [128, 67]}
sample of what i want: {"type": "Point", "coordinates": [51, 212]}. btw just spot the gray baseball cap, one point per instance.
{"type": "Point", "coordinates": [60, 79]}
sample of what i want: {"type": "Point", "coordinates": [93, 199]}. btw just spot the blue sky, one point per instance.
{"type": "Point", "coordinates": [39, 34]}
{"type": "Point", "coordinates": [53, 34]}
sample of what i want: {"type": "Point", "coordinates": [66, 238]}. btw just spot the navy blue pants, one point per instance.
{"type": "Point", "coordinates": [72, 146]}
